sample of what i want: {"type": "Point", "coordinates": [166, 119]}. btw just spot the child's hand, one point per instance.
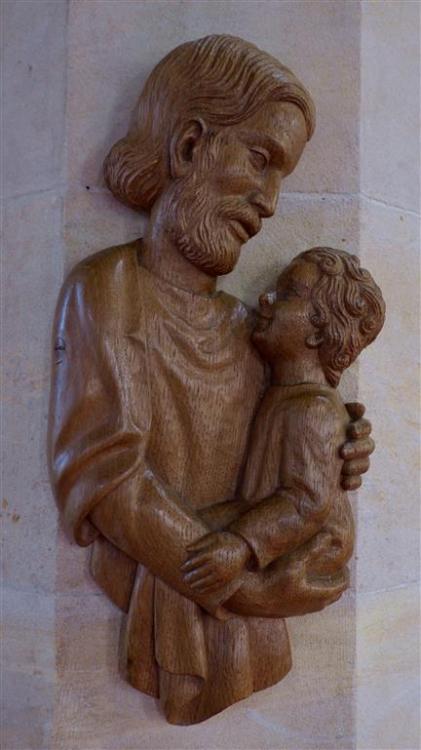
{"type": "Point", "coordinates": [215, 560]}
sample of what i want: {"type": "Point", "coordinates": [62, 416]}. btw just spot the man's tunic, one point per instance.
{"type": "Point", "coordinates": [154, 392]}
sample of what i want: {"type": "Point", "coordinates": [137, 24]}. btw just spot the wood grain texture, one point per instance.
{"type": "Point", "coordinates": [215, 505]}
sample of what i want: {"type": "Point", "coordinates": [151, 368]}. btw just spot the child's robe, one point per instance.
{"type": "Point", "coordinates": [299, 523]}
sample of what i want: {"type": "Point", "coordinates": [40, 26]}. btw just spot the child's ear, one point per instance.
{"type": "Point", "coordinates": [314, 340]}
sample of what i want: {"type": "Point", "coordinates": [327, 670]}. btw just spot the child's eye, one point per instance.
{"type": "Point", "coordinates": [259, 159]}
{"type": "Point", "coordinates": [288, 293]}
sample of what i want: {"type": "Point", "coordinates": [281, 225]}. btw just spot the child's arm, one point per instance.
{"type": "Point", "coordinates": [219, 516]}
{"type": "Point", "coordinates": [309, 482]}
{"type": "Point", "coordinates": [310, 476]}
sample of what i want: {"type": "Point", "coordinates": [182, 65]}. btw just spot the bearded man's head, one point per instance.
{"type": "Point", "coordinates": [220, 81]}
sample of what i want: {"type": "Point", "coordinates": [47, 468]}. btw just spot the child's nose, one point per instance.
{"type": "Point", "coordinates": [266, 301]}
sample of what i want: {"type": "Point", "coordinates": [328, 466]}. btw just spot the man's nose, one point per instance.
{"type": "Point", "coordinates": [264, 204]}
{"type": "Point", "coordinates": [266, 200]}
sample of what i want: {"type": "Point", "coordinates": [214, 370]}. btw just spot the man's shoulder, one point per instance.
{"type": "Point", "coordinates": [103, 287]}
{"type": "Point", "coordinates": [115, 262]}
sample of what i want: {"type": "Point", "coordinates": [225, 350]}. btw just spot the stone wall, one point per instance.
{"type": "Point", "coordinates": [387, 665]}
{"type": "Point", "coordinates": [72, 72]}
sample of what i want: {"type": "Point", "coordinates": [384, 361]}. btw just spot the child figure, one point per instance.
{"type": "Point", "coordinates": [291, 533]}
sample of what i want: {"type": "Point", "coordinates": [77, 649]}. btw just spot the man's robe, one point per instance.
{"type": "Point", "coordinates": [154, 391]}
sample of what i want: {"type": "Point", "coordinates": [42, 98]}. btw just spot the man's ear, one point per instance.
{"type": "Point", "coordinates": [314, 340]}
{"type": "Point", "coordinates": [184, 144]}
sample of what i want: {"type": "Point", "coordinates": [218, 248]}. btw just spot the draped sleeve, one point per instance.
{"type": "Point", "coordinates": [99, 410]}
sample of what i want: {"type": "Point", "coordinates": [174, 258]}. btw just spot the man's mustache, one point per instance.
{"type": "Point", "coordinates": [244, 214]}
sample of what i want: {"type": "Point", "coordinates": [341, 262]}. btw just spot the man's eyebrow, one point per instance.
{"type": "Point", "coordinates": [266, 141]}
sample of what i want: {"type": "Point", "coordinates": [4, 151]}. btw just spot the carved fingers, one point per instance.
{"type": "Point", "coordinates": [351, 483]}
{"type": "Point", "coordinates": [361, 448]}
{"type": "Point", "coordinates": [205, 577]}
{"type": "Point", "coordinates": [357, 449]}
{"type": "Point", "coordinates": [358, 430]}
{"type": "Point", "coordinates": [214, 560]}
{"type": "Point", "coordinates": [355, 409]}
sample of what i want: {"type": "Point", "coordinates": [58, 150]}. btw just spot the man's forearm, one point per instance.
{"type": "Point", "coordinates": [218, 516]}
{"type": "Point", "coordinates": [153, 526]}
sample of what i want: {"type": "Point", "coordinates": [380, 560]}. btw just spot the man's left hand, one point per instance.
{"type": "Point", "coordinates": [357, 449]}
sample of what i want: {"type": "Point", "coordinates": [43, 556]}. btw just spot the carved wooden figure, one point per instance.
{"type": "Point", "coordinates": [212, 514]}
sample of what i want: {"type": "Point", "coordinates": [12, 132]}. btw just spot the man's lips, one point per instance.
{"type": "Point", "coordinates": [240, 230]}
{"type": "Point", "coordinates": [246, 227]}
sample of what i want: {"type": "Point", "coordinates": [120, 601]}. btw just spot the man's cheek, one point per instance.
{"type": "Point", "coordinates": [233, 178]}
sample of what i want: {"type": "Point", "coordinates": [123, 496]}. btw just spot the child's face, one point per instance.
{"type": "Point", "coordinates": [284, 323]}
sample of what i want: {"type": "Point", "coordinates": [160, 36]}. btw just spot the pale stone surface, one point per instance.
{"type": "Point", "coordinates": [388, 540]}
{"type": "Point", "coordinates": [387, 669]}
{"type": "Point", "coordinates": [313, 707]}
{"type": "Point", "coordinates": [390, 89]}
{"type": "Point", "coordinates": [95, 220]}
{"type": "Point", "coordinates": [72, 574]}
{"type": "Point", "coordinates": [87, 632]}
{"type": "Point", "coordinates": [388, 713]}
{"type": "Point", "coordinates": [32, 273]}
{"type": "Point", "coordinates": [389, 509]}
{"type": "Point", "coordinates": [28, 621]}
{"type": "Point", "coordinates": [27, 711]}
{"type": "Point", "coordinates": [33, 81]}
{"type": "Point", "coordinates": [28, 669]}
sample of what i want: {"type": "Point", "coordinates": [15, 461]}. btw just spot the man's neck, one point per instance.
{"type": "Point", "coordinates": [162, 257]}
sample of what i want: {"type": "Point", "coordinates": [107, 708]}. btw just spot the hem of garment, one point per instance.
{"type": "Point", "coordinates": [206, 716]}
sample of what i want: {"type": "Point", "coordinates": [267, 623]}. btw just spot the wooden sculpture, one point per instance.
{"type": "Point", "coordinates": [212, 514]}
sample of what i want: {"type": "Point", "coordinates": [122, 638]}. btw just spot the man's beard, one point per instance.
{"type": "Point", "coordinates": [200, 227]}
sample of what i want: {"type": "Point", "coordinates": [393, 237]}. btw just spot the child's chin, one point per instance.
{"type": "Point", "coordinates": [259, 341]}
{"type": "Point", "coordinates": [257, 336]}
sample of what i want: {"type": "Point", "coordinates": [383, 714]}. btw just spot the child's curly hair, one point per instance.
{"type": "Point", "coordinates": [349, 309]}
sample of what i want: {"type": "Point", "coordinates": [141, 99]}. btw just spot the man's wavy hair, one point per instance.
{"type": "Point", "coordinates": [349, 309]}
{"type": "Point", "coordinates": [223, 80]}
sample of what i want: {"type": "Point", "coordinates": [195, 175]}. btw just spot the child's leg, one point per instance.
{"type": "Point", "coordinates": [307, 580]}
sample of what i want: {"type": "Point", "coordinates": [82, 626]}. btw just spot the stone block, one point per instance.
{"type": "Point", "coordinates": [73, 574]}
{"type": "Point", "coordinates": [390, 102]}
{"type": "Point", "coordinates": [32, 276]}
{"type": "Point", "coordinates": [28, 632]}
{"type": "Point", "coordinates": [88, 629]}
{"type": "Point", "coordinates": [34, 94]}
{"type": "Point", "coordinates": [27, 710]}
{"type": "Point", "coordinates": [94, 221]}
{"type": "Point", "coordinates": [28, 669]}
{"type": "Point", "coordinates": [388, 669]}
{"type": "Point", "coordinates": [313, 706]}
{"type": "Point", "coordinates": [388, 542]}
